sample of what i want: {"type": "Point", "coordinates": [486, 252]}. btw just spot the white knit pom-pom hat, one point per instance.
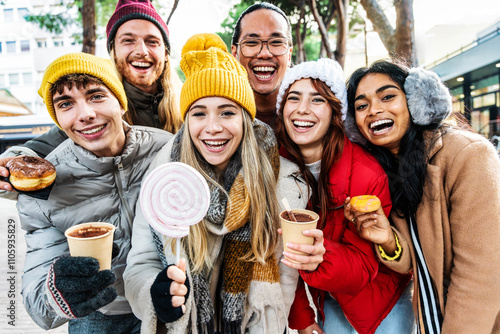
{"type": "Point", "coordinates": [324, 69]}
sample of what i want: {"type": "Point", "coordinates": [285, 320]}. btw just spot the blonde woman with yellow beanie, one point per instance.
{"type": "Point", "coordinates": [229, 280]}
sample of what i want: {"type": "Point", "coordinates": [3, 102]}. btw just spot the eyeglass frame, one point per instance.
{"type": "Point", "coordinates": [267, 45]}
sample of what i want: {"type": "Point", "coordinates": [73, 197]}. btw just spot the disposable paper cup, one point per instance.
{"type": "Point", "coordinates": [292, 231]}
{"type": "Point", "coordinates": [99, 247]}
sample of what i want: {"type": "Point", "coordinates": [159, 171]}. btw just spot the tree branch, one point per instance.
{"type": "Point", "coordinates": [322, 28]}
{"type": "Point", "coordinates": [405, 30]}
{"type": "Point", "coordinates": [342, 28]}
{"type": "Point", "coordinates": [381, 24]}
{"type": "Point", "coordinates": [174, 7]}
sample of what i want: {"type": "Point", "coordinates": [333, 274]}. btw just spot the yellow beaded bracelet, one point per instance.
{"type": "Point", "coordinates": [397, 253]}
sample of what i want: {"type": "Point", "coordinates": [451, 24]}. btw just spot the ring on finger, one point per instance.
{"type": "Point", "coordinates": [353, 219]}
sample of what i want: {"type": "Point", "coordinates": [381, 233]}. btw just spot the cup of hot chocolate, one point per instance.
{"type": "Point", "coordinates": [93, 240]}
{"type": "Point", "coordinates": [292, 230]}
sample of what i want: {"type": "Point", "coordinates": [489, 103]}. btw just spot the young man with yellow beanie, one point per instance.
{"type": "Point", "coordinates": [98, 175]}
{"type": "Point", "coordinates": [139, 47]}
{"type": "Point", "coordinates": [234, 282]}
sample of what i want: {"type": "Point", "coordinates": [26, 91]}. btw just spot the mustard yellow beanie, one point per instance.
{"type": "Point", "coordinates": [83, 63]}
{"type": "Point", "coordinates": [212, 71]}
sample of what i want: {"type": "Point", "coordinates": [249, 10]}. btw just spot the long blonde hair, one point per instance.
{"type": "Point", "coordinates": [260, 183]}
{"type": "Point", "coordinates": [169, 111]}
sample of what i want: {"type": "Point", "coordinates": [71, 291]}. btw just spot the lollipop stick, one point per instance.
{"type": "Point", "coordinates": [177, 251]}
{"type": "Point", "coordinates": [289, 210]}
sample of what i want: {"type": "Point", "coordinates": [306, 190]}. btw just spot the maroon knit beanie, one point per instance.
{"type": "Point", "coordinates": [135, 10]}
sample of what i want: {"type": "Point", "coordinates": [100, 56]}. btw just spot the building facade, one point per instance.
{"type": "Point", "coordinates": [473, 76]}
{"type": "Point", "coordinates": [26, 49]}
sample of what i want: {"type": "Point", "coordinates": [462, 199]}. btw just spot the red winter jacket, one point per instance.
{"type": "Point", "coordinates": [365, 289]}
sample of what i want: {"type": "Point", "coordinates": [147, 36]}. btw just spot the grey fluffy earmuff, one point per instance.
{"type": "Point", "coordinates": [429, 101]}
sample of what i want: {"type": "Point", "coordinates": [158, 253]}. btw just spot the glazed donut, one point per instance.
{"type": "Point", "coordinates": [365, 203]}
{"type": "Point", "coordinates": [30, 173]}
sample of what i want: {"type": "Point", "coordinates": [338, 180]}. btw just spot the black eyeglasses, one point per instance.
{"type": "Point", "coordinates": [251, 47]}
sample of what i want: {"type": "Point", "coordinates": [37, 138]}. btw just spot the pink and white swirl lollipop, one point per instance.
{"type": "Point", "coordinates": [173, 197]}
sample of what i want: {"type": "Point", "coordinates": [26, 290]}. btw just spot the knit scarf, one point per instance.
{"type": "Point", "coordinates": [229, 217]}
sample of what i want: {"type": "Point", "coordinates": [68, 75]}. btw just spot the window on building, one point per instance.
{"type": "Point", "coordinates": [41, 43]}
{"type": "Point", "coordinates": [8, 15]}
{"type": "Point", "coordinates": [485, 85]}
{"type": "Point", "coordinates": [58, 42]}
{"type": "Point", "coordinates": [0, 47]}
{"type": "Point", "coordinates": [2, 81]}
{"type": "Point", "coordinates": [13, 79]}
{"type": "Point", "coordinates": [484, 91]}
{"type": "Point", "coordinates": [22, 12]}
{"type": "Point", "coordinates": [11, 46]}
{"type": "Point", "coordinates": [27, 78]}
{"type": "Point", "coordinates": [25, 46]}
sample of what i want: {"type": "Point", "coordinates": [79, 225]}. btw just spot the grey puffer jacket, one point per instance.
{"type": "Point", "coordinates": [87, 189]}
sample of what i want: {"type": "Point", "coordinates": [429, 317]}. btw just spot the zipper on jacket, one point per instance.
{"type": "Point", "coordinates": [119, 183]}
{"type": "Point", "coordinates": [155, 105]}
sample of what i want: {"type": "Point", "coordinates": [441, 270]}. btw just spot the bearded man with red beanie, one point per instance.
{"type": "Point", "coordinates": [139, 46]}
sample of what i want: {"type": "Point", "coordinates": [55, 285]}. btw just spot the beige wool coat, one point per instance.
{"type": "Point", "coordinates": [458, 223]}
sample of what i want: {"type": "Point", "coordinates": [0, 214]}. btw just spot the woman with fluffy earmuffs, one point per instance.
{"type": "Point", "coordinates": [445, 190]}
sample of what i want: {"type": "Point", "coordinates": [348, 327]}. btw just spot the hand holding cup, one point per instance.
{"type": "Point", "coordinates": [302, 242]}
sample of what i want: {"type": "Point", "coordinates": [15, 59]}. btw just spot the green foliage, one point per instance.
{"type": "Point", "coordinates": [312, 47]}
{"type": "Point", "coordinates": [181, 74]}
{"type": "Point", "coordinates": [54, 23]}
{"type": "Point", "coordinates": [227, 26]}
{"type": "Point", "coordinates": [312, 42]}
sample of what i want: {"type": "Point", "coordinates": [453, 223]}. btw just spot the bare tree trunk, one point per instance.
{"type": "Point", "coordinates": [342, 28]}
{"type": "Point", "coordinates": [174, 7]}
{"type": "Point", "coordinates": [405, 31]}
{"type": "Point", "coordinates": [304, 32]}
{"type": "Point", "coordinates": [380, 23]}
{"type": "Point", "coordinates": [301, 54]}
{"type": "Point", "coordinates": [322, 28]}
{"type": "Point", "coordinates": [88, 20]}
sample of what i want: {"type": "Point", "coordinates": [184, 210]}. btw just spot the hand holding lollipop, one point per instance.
{"type": "Point", "coordinates": [173, 197]}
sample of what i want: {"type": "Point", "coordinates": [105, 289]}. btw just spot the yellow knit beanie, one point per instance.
{"type": "Point", "coordinates": [83, 63]}
{"type": "Point", "coordinates": [211, 71]}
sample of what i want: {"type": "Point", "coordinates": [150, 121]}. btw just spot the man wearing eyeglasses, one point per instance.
{"type": "Point", "coordinates": [262, 43]}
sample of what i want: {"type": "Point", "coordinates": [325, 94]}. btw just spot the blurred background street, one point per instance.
{"type": "Point", "coordinates": [8, 294]}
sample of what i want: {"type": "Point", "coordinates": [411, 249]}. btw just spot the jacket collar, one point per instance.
{"type": "Point", "coordinates": [140, 99]}
{"type": "Point", "coordinates": [433, 141]}
{"type": "Point", "coordinates": [104, 165]}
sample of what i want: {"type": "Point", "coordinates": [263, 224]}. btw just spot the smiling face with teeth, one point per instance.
{"type": "Point", "coordinates": [92, 117]}
{"type": "Point", "coordinates": [265, 71]}
{"type": "Point", "coordinates": [307, 116]}
{"type": "Point", "coordinates": [140, 54]}
{"type": "Point", "coordinates": [381, 111]}
{"type": "Point", "coordinates": [216, 129]}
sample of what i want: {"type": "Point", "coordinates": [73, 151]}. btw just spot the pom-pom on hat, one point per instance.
{"type": "Point", "coordinates": [135, 10]}
{"type": "Point", "coordinates": [324, 69]}
{"type": "Point", "coordinates": [82, 63]}
{"type": "Point", "coordinates": [212, 71]}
